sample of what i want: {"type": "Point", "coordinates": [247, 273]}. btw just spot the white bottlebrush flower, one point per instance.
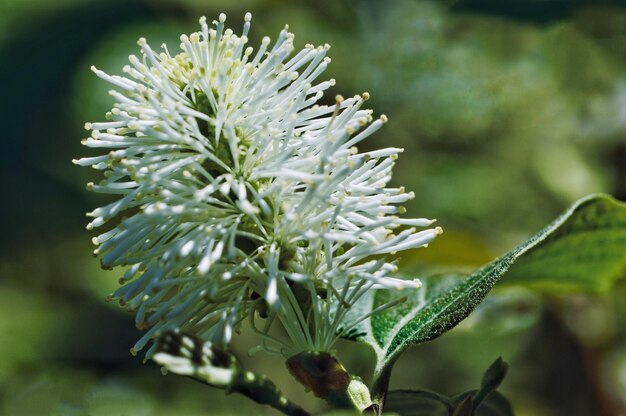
{"type": "Point", "coordinates": [240, 194]}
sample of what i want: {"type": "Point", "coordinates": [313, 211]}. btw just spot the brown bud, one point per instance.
{"type": "Point", "coordinates": [319, 372]}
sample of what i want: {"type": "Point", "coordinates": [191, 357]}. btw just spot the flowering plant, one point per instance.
{"type": "Point", "coordinates": [242, 199]}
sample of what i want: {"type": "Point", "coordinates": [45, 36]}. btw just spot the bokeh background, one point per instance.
{"type": "Point", "coordinates": [508, 112]}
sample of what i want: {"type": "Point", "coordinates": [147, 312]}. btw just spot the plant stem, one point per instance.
{"type": "Point", "coordinates": [187, 355]}
{"type": "Point", "coordinates": [381, 385]}
{"type": "Point", "coordinates": [263, 391]}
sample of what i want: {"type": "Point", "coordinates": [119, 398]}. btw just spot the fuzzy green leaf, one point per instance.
{"type": "Point", "coordinates": [443, 301]}
{"type": "Point", "coordinates": [585, 254]}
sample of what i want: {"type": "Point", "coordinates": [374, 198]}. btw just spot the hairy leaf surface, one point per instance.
{"type": "Point", "coordinates": [583, 249]}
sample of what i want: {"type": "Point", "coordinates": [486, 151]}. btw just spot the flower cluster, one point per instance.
{"type": "Point", "coordinates": [240, 196]}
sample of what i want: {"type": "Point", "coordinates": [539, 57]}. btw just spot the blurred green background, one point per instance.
{"type": "Point", "coordinates": [508, 112]}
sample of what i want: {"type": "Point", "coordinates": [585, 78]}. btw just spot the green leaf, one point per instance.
{"type": "Point", "coordinates": [483, 402]}
{"type": "Point", "coordinates": [427, 403]}
{"type": "Point", "coordinates": [586, 253]}
{"type": "Point", "coordinates": [494, 404]}
{"type": "Point", "coordinates": [443, 301]}
{"type": "Point", "coordinates": [417, 403]}
{"type": "Point", "coordinates": [492, 379]}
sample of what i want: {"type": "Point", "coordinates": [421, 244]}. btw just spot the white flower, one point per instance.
{"type": "Point", "coordinates": [240, 194]}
